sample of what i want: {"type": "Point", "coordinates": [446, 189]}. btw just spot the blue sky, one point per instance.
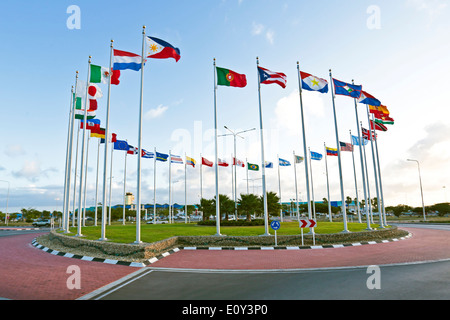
{"type": "Point", "coordinates": [403, 62]}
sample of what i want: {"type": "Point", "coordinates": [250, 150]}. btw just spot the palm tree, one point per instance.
{"type": "Point", "coordinates": [249, 203]}
{"type": "Point", "coordinates": [273, 203]}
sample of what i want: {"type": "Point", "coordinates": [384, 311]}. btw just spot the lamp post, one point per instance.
{"type": "Point", "coordinates": [421, 191]}
{"type": "Point", "coordinates": [235, 134]}
{"type": "Point", "coordinates": [7, 199]}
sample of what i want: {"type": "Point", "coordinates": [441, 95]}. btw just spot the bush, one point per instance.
{"type": "Point", "coordinates": [233, 223]}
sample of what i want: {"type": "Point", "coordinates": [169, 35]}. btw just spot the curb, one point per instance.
{"type": "Point", "coordinates": [165, 254]}
{"type": "Point", "coordinates": [18, 229]}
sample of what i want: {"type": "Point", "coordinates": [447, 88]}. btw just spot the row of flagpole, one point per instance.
{"type": "Point", "coordinates": [229, 77]}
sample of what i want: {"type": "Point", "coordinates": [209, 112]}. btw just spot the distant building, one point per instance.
{"type": "Point", "coordinates": [129, 198]}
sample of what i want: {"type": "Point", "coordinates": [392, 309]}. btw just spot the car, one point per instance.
{"type": "Point", "coordinates": [157, 221]}
{"type": "Point", "coordinates": [42, 223]}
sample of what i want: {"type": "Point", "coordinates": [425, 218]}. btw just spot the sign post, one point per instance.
{"type": "Point", "coordinates": [275, 225]}
{"type": "Point", "coordinates": [307, 223]}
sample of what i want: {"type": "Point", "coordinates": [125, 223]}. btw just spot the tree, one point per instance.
{"type": "Point", "coordinates": [273, 203]}
{"type": "Point", "coordinates": [249, 203]}
{"type": "Point", "coordinates": [399, 209]}
{"type": "Point", "coordinates": [208, 207]}
{"type": "Point", "coordinates": [441, 208]}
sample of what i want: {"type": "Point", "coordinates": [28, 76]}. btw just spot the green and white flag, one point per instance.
{"type": "Point", "coordinates": [99, 74]}
{"type": "Point", "coordinates": [79, 114]}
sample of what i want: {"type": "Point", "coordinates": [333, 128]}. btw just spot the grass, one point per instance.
{"type": "Point", "coordinates": [153, 233]}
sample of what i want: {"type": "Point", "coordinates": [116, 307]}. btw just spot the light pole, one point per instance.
{"type": "Point", "coordinates": [421, 191]}
{"type": "Point", "coordinates": [235, 134]}
{"type": "Point", "coordinates": [7, 199]}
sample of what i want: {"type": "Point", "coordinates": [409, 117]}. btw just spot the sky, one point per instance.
{"type": "Point", "coordinates": [395, 49]}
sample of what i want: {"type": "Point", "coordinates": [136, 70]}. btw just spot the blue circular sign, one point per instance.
{"type": "Point", "coordinates": [275, 225]}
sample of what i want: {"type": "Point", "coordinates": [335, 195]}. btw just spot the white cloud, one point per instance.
{"type": "Point", "coordinates": [31, 170]}
{"type": "Point", "coordinates": [14, 150]}
{"type": "Point", "coordinates": [155, 113]}
{"type": "Point", "coordinates": [270, 36]}
{"type": "Point", "coordinates": [257, 28]}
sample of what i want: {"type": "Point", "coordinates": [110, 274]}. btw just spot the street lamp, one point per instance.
{"type": "Point", "coordinates": [235, 134]}
{"type": "Point", "coordinates": [421, 191]}
{"type": "Point", "coordinates": [7, 199]}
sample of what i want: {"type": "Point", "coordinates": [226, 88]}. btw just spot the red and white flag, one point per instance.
{"type": "Point", "coordinates": [222, 163]}
{"type": "Point", "coordinates": [206, 162]}
{"type": "Point", "coordinates": [237, 162]}
{"type": "Point", "coordinates": [269, 77]}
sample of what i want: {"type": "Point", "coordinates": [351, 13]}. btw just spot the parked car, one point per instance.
{"type": "Point", "coordinates": [42, 223]}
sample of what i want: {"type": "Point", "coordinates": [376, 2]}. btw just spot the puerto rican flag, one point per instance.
{"type": "Point", "coordinates": [124, 60]}
{"type": "Point", "coordinates": [269, 77]}
{"type": "Point", "coordinates": [160, 49]}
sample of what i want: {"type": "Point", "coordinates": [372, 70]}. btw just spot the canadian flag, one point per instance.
{"type": "Point", "coordinates": [238, 162]}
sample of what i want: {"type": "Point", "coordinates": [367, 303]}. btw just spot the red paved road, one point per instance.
{"type": "Point", "coordinates": [422, 246]}
{"type": "Point", "coordinates": [28, 273]}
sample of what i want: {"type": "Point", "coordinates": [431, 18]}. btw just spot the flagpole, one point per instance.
{"type": "Point", "coordinates": [266, 213]}
{"type": "Point", "coordinates": [138, 195]}
{"type": "Point", "coordinates": [379, 174]}
{"type": "Point", "coordinates": [85, 178]}
{"type": "Point", "coordinates": [110, 187]}
{"type": "Point", "coordinates": [232, 178]}
{"type": "Point", "coordinates": [368, 186]}
{"type": "Point", "coordinates": [82, 150]}
{"type": "Point", "coordinates": [185, 188]}
{"type": "Point", "coordinates": [312, 186]}
{"type": "Point", "coordinates": [124, 186]}
{"type": "Point", "coordinates": [96, 182]}
{"type": "Point", "coordinates": [356, 183]}
{"type": "Point", "coordinates": [304, 143]}
{"type": "Point", "coordinates": [246, 161]}
{"type": "Point", "coordinates": [75, 180]}
{"type": "Point", "coordinates": [279, 186]}
{"type": "Point", "coordinates": [296, 191]}
{"type": "Point", "coordinates": [375, 168]}
{"type": "Point", "coordinates": [170, 186]}
{"type": "Point", "coordinates": [339, 162]}
{"type": "Point", "coordinates": [154, 189]}
{"type": "Point", "coordinates": [105, 163]}
{"type": "Point", "coordinates": [66, 166]}
{"type": "Point", "coordinates": [216, 154]}
{"type": "Point", "coordinates": [328, 183]}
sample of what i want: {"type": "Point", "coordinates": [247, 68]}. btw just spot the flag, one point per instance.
{"type": "Point", "coordinates": [355, 141]}
{"type": "Point", "coordinates": [298, 159]}
{"type": "Point", "coordinates": [132, 150]}
{"type": "Point", "coordinates": [124, 60]}
{"type": "Point", "coordinates": [366, 98]}
{"type": "Point", "coordinates": [159, 49]}
{"type": "Point", "coordinates": [190, 161]}
{"type": "Point", "coordinates": [94, 91]}
{"type": "Point", "coordinates": [146, 154]}
{"type": "Point", "coordinates": [79, 114]}
{"type": "Point", "coordinates": [268, 164]}
{"type": "Point", "coordinates": [113, 137]}
{"type": "Point", "coordinates": [347, 89]}
{"type": "Point", "coordinates": [384, 120]}
{"type": "Point", "coordinates": [253, 167]}
{"type": "Point", "coordinates": [226, 77]}
{"type": "Point", "coordinates": [99, 133]}
{"type": "Point", "coordinates": [316, 156]}
{"type": "Point", "coordinates": [366, 134]}
{"type": "Point", "coordinates": [346, 146]}
{"type": "Point", "coordinates": [268, 77]}
{"type": "Point", "coordinates": [121, 145]}
{"type": "Point", "coordinates": [222, 163]}
{"type": "Point", "coordinates": [101, 74]}
{"type": "Point", "coordinates": [237, 162]}
{"type": "Point", "coordinates": [312, 83]}
{"type": "Point", "coordinates": [283, 163]}
{"type": "Point", "coordinates": [92, 124]}
{"type": "Point", "coordinates": [330, 152]}
{"type": "Point", "coordinates": [377, 126]}
{"type": "Point", "coordinates": [176, 159]}
{"type": "Point", "coordinates": [206, 162]}
{"type": "Point", "coordinates": [161, 156]}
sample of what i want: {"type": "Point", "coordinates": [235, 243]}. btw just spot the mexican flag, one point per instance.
{"type": "Point", "coordinates": [101, 75]}
{"type": "Point", "coordinates": [226, 77]}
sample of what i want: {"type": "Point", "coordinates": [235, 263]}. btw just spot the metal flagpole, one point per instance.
{"type": "Point", "coordinates": [369, 203]}
{"type": "Point", "coordinates": [110, 187]}
{"type": "Point", "coordinates": [85, 178]}
{"type": "Point", "coordinates": [296, 191]}
{"type": "Point", "coordinates": [279, 186]}
{"type": "Point", "coordinates": [96, 182]}
{"type": "Point", "coordinates": [266, 213]}
{"type": "Point", "coordinates": [356, 183]}
{"type": "Point", "coordinates": [82, 151]}
{"type": "Point", "coordinates": [75, 180]}
{"type": "Point", "coordinates": [339, 162]}
{"type": "Point", "coordinates": [170, 186]}
{"type": "Point", "coordinates": [216, 154]}
{"type": "Point", "coordinates": [185, 188]}
{"type": "Point", "coordinates": [247, 173]}
{"type": "Point", "coordinates": [365, 184]}
{"type": "Point", "coordinates": [201, 178]}
{"type": "Point", "coordinates": [232, 177]}
{"type": "Point", "coordinates": [312, 186]}
{"type": "Point", "coordinates": [105, 163]}
{"type": "Point", "coordinates": [124, 186]}
{"type": "Point", "coordinates": [138, 194]}
{"type": "Point", "coordinates": [375, 169]}
{"type": "Point", "coordinates": [381, 184]}
{"type": "Point", "coordinates": [328, 183]}
{"type": "Point", "coordinates": [67, 163]}
{"type": "Point", "coordinates": [304, 144]}
{"type": "Point", "coordinates": [154, 189]}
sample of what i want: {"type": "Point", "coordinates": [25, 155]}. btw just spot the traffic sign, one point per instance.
{"type": "Point", "coordinates": [275, 225]}
{"type": "Point", "coordinates": [307, 223]}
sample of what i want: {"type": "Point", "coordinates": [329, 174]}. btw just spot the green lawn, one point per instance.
{"type": "Point", "coordinates": [153, 233]}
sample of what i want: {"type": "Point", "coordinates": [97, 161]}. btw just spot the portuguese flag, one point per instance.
{"type": "Point", "coordinates": [226, 77]}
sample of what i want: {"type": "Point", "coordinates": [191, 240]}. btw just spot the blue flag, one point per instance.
{"type": "Point", "coordinates": [284, 163]}
{"type": "Point", "coordinates": [121, 145]}
{"type": "Point", "coordinates": [355, 141]}
{"type": "Point", "coordinates": [161, 156]}
{"type": "Point", "coordinates": [347, 89]}
{"type": "Point", "coordinates": [316, 156]}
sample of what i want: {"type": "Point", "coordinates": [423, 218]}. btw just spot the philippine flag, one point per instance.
{"type": "Point", "coordinates": [159, 49]}
{"type": "Point", "coordinates": [312, 83]}
{"type": "Point", "coordinates": [124, 60]}
{"type": "Point", "coordinates": [268, 77]}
